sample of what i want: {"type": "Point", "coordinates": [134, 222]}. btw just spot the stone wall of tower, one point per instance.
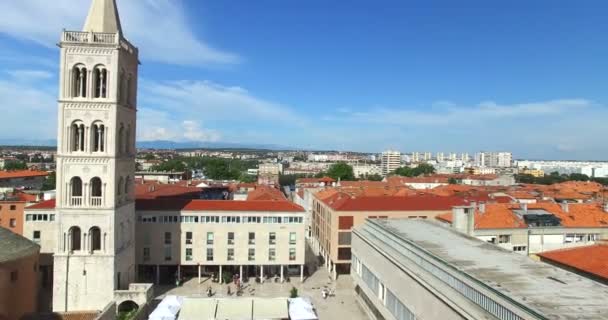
{"type": "Point", "coordinates": [95, 211]}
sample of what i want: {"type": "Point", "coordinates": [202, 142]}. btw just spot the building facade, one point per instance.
{"type": "Point", "coordinates": [11, 215]}
{"type": "Point", "coordinates": [390, 161]}
{"type": "Point", "coordinates": [95, 213]}
{"type": "Point", "coordinates": [415, 269]}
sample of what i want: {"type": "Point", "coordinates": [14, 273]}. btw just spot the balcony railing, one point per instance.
{"type": "Point", "coordinates": [90, 37]}
{"type": "Point", "coordinates": [96, 201]}
{"type": "Point", "coordinates": [76, 201]}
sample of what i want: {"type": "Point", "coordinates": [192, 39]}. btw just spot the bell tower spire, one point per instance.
{"type": "Point", "coordinates": [103, 17]}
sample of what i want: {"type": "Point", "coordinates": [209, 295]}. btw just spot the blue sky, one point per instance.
{"type": "Point", "coordinates": [524, 76]}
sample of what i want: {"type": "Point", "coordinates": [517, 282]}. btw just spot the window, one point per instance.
{"type": "Point", "coordinates": [344, 254]}
{"type": "Point", "coordinates": [188, 254]}
{"type": "Point", "coordinates": [76, 194]}
{"type": "Point", "coordinates": [52, 217]}
{"type": "Point", "coordinates": [188, 237]}
{"type": "Point", "coordinates": [167, 237]}
{"type": "Point", "coordinates": [95, 235]}
{"type": "Point", "coordinates": [98, 134]}
{"type": "Point", "coordinates": [292, 254]}
{"type": "Point", "coordinates": [272, 254]}
{"type": "Point", "coordinates": [79, 81]}
{"type": "Point", "coordinates": [36, 236]}
{"type": "Point", "coordinates": [14, 276]}
{"type": "Point", "coordinates": [504, 238]}
{"type": "Point", "coordinates": [13, 207]}
{"type": "Point", "coordinates": [251, 237]}
{"type": "Point", "coordinates": [13, 223]}
{"type": "Point", "coordinates": [74, 236]}
{"type": "Point", "coordinates": [77, 136]}
{"type": "Point", "coordinates": [519, 248]}
{"type": "Point", "coordinates": [209, 237]}
{"type": "Point", "coordinates": [272, 238]}
{"type": "Point", "coordinates": [230, 254]}
{"type": "Point", "coordinates": [146, 254]}
{"type": "Point", "coordinates": [28, 217]}
{"type": "Point", "coordinates": [251, 254]}
{"type": "Point", "coordinates": [168, 254]}
{"type": "Point", "coordinates": [209, 254]}
{"type": "Point", "coordinates": [230, 238]}
{"type": "Point", "coordinates": [292, 238]}
{"type": "Point", "coordinates": [344, 238]}
{"type": "Point", "coordinates": [345, 223]}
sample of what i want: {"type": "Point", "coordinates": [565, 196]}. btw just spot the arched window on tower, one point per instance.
{"type": "Point", "coordinates": [79, 81]}
{"type": "Point", "coordinates": [95, 238]}
{"type": "Point", "coordinates": [128, 90]}
{"type": "Point", "coordinates": [120, 186]}
{"type": "Point", "coordinates": [127, 142]}
{"type": "Point", "coordinates": [75, 192]}
{"type": "Point", "coordinates": [100, 81]}
{"type": "Point", "coordinates": [74, 238]}
{"type": "Point", "coordinates": [121, 139]}
{"type": "Point", "coordinates": [128, 187]}
{"type": "Point", "coordinates": [96, 192]}
{"type": "Point", "coordinates": [98, 131]}
{"type": "Point", "coordinates": [77, 136]}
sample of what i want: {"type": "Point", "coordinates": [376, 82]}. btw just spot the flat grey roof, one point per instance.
{"type": "Point", "coordinates": [550, 291]}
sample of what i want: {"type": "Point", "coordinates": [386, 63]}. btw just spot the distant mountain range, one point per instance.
{"type": "Point", "coordinates": [158, 144]}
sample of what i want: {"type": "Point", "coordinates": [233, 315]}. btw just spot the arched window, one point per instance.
{"type": "Point", "coordinates": [121, 137]}
{"type": "Point", "coordinates": [74, 239]}
{"type": "Point", "coordinates": [100, 81]}
{"type": "Point", "coordinates": [128, 90]}
{"type": "Point", "coordinates": [98, 131]}
{"type": "Point", "coordinates": [79, 81]}
{"type": "Point", "coordinates": [95, 238]}
{"type": "Point", "coordinates": [77, 136]}
{"type": "Point", "coordinates": [76, 191]}
{"type": "Point", "coordinates": [119, 186]}
{"type": "Point", "coordinates": [128, 140]}
{"type": "Point", "coordinates": [128, 186]}
{"type": "Point", "coordinates": [96, 192]}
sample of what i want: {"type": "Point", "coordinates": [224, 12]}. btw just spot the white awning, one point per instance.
{"type": "Point", "coordinates": [234, 309]}
{"type": "Point", "coordinates": [270, 309]}
{"type": "Point", "coordinates": [198, 309]}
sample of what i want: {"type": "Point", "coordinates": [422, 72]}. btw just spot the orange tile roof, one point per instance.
{"type": "Point", "coordinates": [216, 205]}
{"type": "Point", "coordinates": [158, 190]}
{"type": "Point", "coordinates": [499, 215]}
{"type": "Point", "coordinates": [44, 205]}
{"type": "Point", "coordinates": [344, 202]}
{"type": "Point", "coordinates": [589, 259]}
{"type": "Point", "coordinates": [266, 193]}
{"type": "Point", "coordinates": [22, 174]}
{"type": "Point", "coordinates": [522, 195]}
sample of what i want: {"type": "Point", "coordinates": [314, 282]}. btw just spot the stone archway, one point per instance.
{"type": "Point", "coordinates": [127, 306]}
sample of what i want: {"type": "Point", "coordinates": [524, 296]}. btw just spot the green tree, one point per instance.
{"type": "Point", "coordinates": [421, 169]}
{"type": "Point", "coordinates": [149, 156]}
{"type": "Point", "coordinates": [49, 182]}
{"type": "Point", "coordinates": [341, 171]}
{"type": "Point", "coordinates": [578, 177]}
{"type": "Point", "coordinates": [293, 293]}
{"type": "Point", "coordinates": [247, 178]}
{"type": "Point", "coordinates": [374, 177]}
{"type": "Point", "coordinates": [452, 180]}
{"type": "Point", "coordinates": [170, 165]}
{"type": "Point", "coordinates": [15, 165]}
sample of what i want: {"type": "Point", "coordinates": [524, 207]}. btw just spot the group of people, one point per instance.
{"type": "Point", "coordinates": [327, 293]}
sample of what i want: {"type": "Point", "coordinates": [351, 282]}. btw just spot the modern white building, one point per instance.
{"type": "Point", "coordinates": [391, 161]}
{"type": "Point", "coordinates": [494, 159]}
{"type": "Point", "coordinates": [407, 269]}
{"type": "Point", "coordinates": [595, 169]}
{"type": "Point", "coordinates": [363, 170]}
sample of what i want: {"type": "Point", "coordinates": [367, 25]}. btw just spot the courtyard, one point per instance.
{"type": "Point", "coordinates": [342, 303]}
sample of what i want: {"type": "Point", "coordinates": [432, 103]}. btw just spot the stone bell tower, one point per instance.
{"type": "Point", "coordinates": [95, 210]}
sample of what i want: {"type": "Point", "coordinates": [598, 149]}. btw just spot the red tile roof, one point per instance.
{"type": "Point", "coordinates": [22, 174]}
{"type": "Point", "coordinates": [343, 202]}
{"type": "Point", "coordinates": [44, 205]}
{"type": "Point", "coordinates": [589, 259]}
{"type": "Point", "coordinates": [265, 193]}
{"type": "Point", "coordinates": [499, 215]}
{"type": "Point", "coordinates": [216, 205]}
{"type": "Point", "coordinates": [158, 190]}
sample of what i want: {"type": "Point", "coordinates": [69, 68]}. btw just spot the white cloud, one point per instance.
{"type": "Point", "coordinates": [194, 132]}
{"type": "Point", "coordinates": [161, 125]}
{"type": "Point", "coordinates": [30, 75]}
{"type": "Point", "coordinates": [211, 101]}
{"type": "Point", "coordinates": [158, 27]}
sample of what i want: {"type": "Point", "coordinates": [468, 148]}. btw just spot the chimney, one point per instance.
{"type": "Point", "coordinates": [606, 207]}
{"type": "Point", "coordinates": [523, 206]}
{"type": "Point", "coordinates": [482, 207]}
{"type": "Point", "coordinates": [565, 206]}
{"type": "Point", "coordinates": [463, 219]}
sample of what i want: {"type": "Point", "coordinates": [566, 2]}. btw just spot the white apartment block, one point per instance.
{"type": "Point", "coordinates": [590, 168]}
{"type": "Point", "coordinates": [363, 170]}
{"type": "Point", "coordinates": [494, 159]}
{"type": "Point", "coordinates": [391, 160]}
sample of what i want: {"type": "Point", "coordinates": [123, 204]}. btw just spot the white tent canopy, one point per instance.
{"type": "Point", "coordinates": [172, 303]}
{"type": "Point", "coordinates": [301, 309]}
{"type": "Point", "coordinates": [162, 313]}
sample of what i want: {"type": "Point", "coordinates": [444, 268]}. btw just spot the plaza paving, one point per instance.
{"type": "Point", "coordinates": [342, 305]}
